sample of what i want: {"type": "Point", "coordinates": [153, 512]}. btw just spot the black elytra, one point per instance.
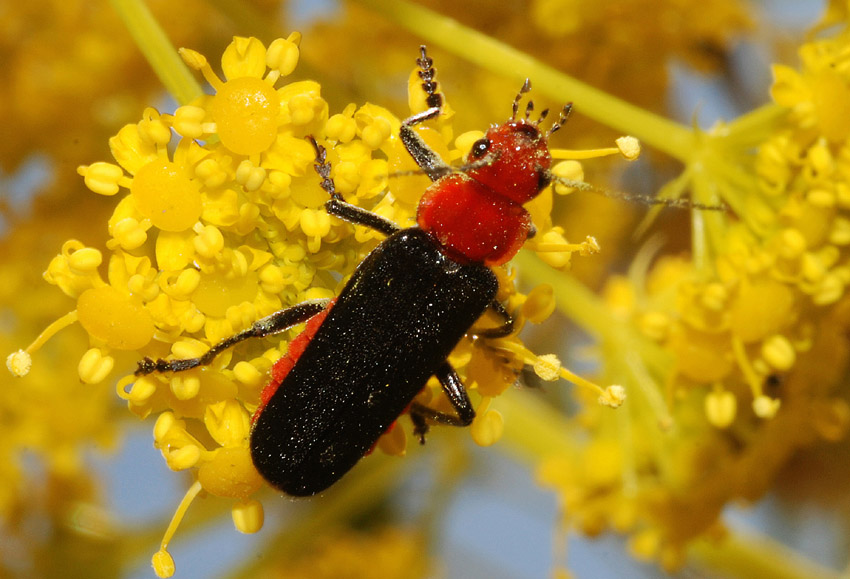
{"type": "Point", "coordinates": [398, 318]}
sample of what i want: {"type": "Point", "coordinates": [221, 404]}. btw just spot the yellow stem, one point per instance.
{"type": "Point", "coordinates": [158, 50]}
{"type": "Point", "coordinates": [665, 135]}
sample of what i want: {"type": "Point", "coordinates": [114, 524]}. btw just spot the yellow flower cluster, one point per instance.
{"type": "Point", "coordinates": [393, 552]}
{"type": "Point", "coordinates": [750, 349]}
{"type": "Point", "coordinates": [44, 45]}
{"type": "Point", "coordinates": [227, 225]}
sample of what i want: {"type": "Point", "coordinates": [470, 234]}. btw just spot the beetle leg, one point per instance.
{"type": "Point", "coordinates": [456, 393]}
{"type": "Point", "coordinates": [429, 161]}
{"type": "Point", "coordinates": [337, 206]}
{"type": "Point", "coordinates": [499, 331]}
{"type": "Point", "coordinates": [273, 324]}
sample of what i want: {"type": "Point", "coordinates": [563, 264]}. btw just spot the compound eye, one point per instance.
{"type": "Point", "coordinates": [480, 148]}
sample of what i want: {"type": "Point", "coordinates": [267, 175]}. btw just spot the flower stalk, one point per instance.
{"type": "Point", "coordinates": [158, 50]}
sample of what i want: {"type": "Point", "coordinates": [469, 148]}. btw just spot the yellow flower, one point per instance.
{"type": "Point", "coordinates": [227, 225]}
{"type": "Point", "coordinates": [742, 342]}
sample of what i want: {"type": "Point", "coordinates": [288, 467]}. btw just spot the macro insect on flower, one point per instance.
{"type": "Point", "coordinates": [224, 231]}
{"type": "Point", "coordinates": [367, 354]}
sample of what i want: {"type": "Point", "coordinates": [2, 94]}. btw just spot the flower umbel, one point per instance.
{"type": "Point", "coordinates": [741, 351]}
{"type": "Point", "coordinates": [221, 221]}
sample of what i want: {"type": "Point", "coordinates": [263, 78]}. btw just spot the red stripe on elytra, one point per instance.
{"type": "Point", "coordinates": [283, 366]}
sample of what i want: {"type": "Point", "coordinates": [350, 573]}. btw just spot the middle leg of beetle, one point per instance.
{"type": "Point", "coordinates": [499, 331]}
{"type": "Point", "coordinates": [428, 160]}
{"type": "Point", "coordinates": [273, 324]}
{"type": "Point", "coordinates": [459, 399]}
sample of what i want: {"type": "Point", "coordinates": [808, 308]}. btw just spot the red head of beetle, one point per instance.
{"type": "Point", "coordinates": [515, 160]}
{"type": "Point", "coordinates": [476, 215]}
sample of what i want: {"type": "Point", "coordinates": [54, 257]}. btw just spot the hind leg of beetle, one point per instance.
{"type": "Point", "coordinates": [273, 324]}
{"type": "Point", "coordinates": [459, 399]}
{"type": "Point", "coordinates": [428, 160]}
{"type": "Point", "coordinates": [336, 205]}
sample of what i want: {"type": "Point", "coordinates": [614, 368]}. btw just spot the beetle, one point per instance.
{"type": "Point", "coordinates": [364, 356]}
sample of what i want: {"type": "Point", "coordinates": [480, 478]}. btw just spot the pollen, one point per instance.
{"type": "Point", "coordinates": [102, 178]}
{"type": "Point", "coordinates": [766, 407]}
{"type": "Point", "coordinates": [283, 54]}
{"type": "Point", "coordinates": [19, 363]}
{"type": "Point", "coordinates": [548, 367]}
{"type": "Point", "coordinates": [248, 516]}
{"type": "Point", "coordinates": [189, 121]}
{"type": "Point", "coordinates": [720, 408]}
{"type": "Point", "coordinates": [614, 396]}
{"type": "Point", "coordinates": [778, 351]}
{"type": "Point", "coordinates": [629, 147]}
{"type": "Point", "coordinates": [488, 427]}
{"type": "Point", "coordinates": [163, 564]}
{"type": "Point", "coordinates": [95, 366]}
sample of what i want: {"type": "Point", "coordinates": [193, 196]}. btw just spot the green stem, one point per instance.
{"type": "Point", "coordinates": [672, 138]}
{"type": "Point", "coordinates": [535, 430]}
{"type": "Point", "coordinates": [158, 50]}
{"type": "Point", "coordinates": [588, 311]}
{"type": "Point", "coordinates": [745, 554]}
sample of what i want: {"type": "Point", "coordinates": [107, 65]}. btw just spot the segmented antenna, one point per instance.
{"type": "Point", "coordinates": [637, 197]}
{"type": "Point", "coordinates": [526, 86]}
{"type": "Point", "coordinates": [427, 74]}
{"type": "Point", "coordinates": [562, 118]}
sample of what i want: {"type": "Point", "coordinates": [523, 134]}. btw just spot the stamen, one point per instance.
{"type": "Point", "coordinates": [587, 247]}
{"type": "Point", "coordinates": [198, 61]}
{"type": "Point", "coordinates": [590, 153]}
{"type": "Point", "coordinates": [162, 562]}
{"type": "Point", "coordinates": [549, 368]}
{"type": "Point", "coordinates": [19, 362]}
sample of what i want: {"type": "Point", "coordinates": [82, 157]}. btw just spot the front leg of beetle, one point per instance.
{"type": "Point", "coordinates": [459, 399]}
{"type": "Point", "coordinates": [429, 161]}
{"type": "Point", "coordinates": [338, 206]}
{"type": "Point", "coordinates": [273, 324]}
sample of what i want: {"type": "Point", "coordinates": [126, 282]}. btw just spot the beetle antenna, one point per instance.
{"type": "Point", "coordinates": [637, 197]}
{"type": "Point", "coordinates": [529, 107]}
{"type": "Point", "coordinates": [449, 169]}
{"type": "Point", "coordinates": [526, 86]}
{"type": "Point", "coordinates": [427, 74]}
{"type": "Point", "coordinates": [543, 115]}
{"type": "Point", "coordinates": [562, 118]}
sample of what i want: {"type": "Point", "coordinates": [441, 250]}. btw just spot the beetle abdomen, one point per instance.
{"type": "Point", "coordinates": [405, 308]}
